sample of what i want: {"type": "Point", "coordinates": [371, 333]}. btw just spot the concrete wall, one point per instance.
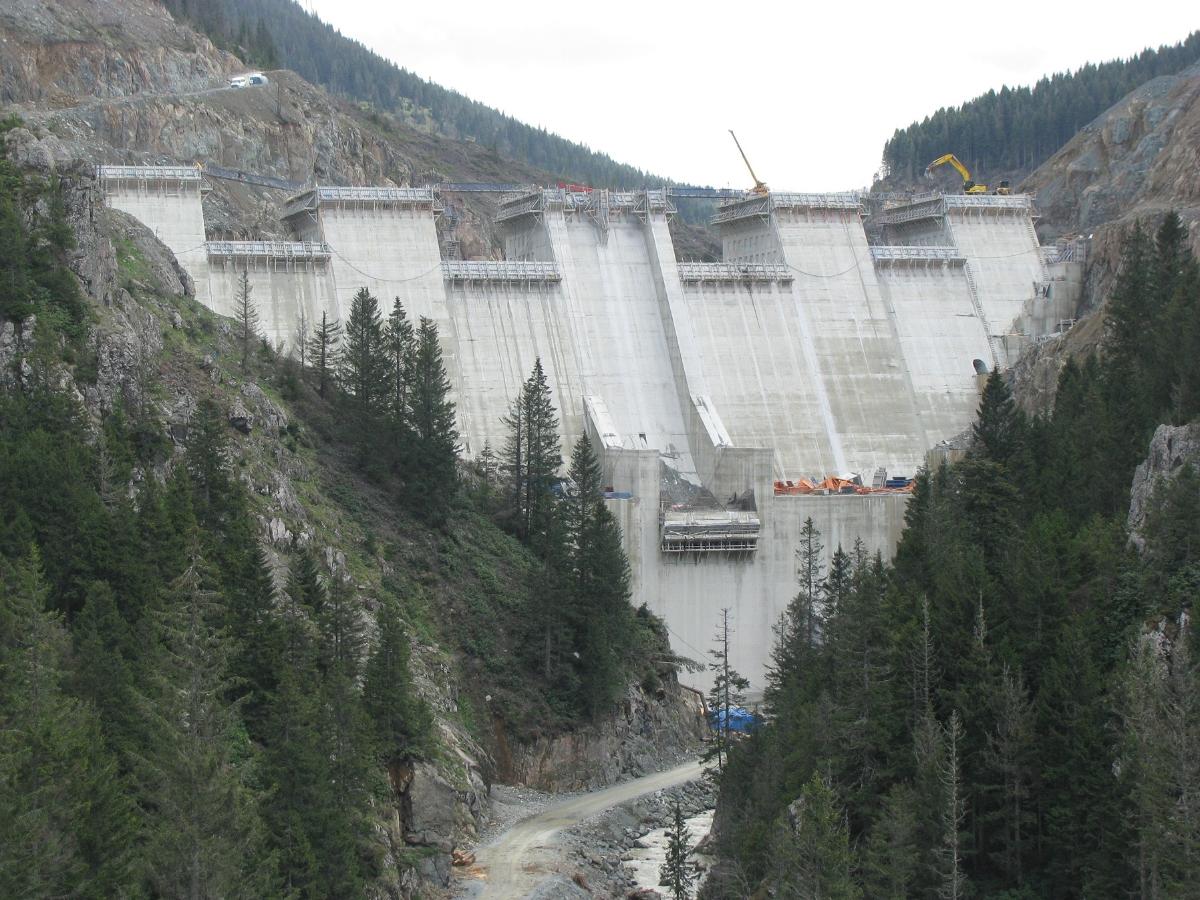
{"type": "Point", "coordinates": [940, 338]}
{"type": "Point", "coordinates": [1002, 252]}
{"type": "Point", "coordinates": [836, 362]}
{"type": "Point", "coordinates": [689, 590]}
{"type": "Point", "coordinates": [279, 291]}
{"type": "Point", "coordinates": [172, 208]}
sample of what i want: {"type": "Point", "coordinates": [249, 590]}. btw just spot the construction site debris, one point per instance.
{"type": "Point", "coordinates": [836, 485]}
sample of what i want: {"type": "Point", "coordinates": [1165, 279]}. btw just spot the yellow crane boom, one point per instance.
{"type": "Point", "coordinates": [969, 187]}
{"type": "Point", "coordinates": [759, 186]}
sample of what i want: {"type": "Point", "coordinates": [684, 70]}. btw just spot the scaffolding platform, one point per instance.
{"type": "Point", "coordinates": [916, 255]}
{"type": "Point", "coordinates": [692, 272]}
{"type": "Point", "coordinates": [510, 271]}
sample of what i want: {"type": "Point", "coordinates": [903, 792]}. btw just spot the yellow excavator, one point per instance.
{"type": "Point", "coordinates": [760, 188]}
{"type": "Point", "coordinates": [969, 186]}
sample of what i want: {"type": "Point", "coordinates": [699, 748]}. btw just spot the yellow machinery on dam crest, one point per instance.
{"type": "Point", "coordinates": [807, 350]}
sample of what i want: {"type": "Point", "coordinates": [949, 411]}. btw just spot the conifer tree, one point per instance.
{"type": "Point", "coordinates": [676, 874]}
{"type": "Point", "coordinates": [363, 373]}
{"type": "Point", "coordinates": [401, 720]}
{"type": "Point", "coordinates": [728, 693]}
{"type": "Point", "coordinates": [67, 827]}
{"type": "Point", "coordinates": [797, 633]}
{"type": "Point", "coordinates": [250, 620]}
{"type": "Point", "coordinates": [811, 853]}
{"type": "Point", "coordinates": [245, 313]}
{"type": "Point", "coordinates": [401, 351]}
{"type": "Point", "coordinates": [431, 480]}
{"type": "Point", "coordinates": [296, 764]}
{"type": "Point", "coordinates": [201, 824]}
{"type": "Point", "coordinates": [532, 457]}
{"type": "Point", "coordinates": [998, 427]}
{"type": "Point", "coordinates": [601, 581]}
{"type": "Point", "coordinates": [102, 673]}
{"type": "Point", "coordinates": [302, 337]}
{"type": "Point", "coordinates": [324, 350]}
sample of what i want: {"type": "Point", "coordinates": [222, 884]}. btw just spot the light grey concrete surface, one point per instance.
{"type": "Point", "coordinates": [830, 357]}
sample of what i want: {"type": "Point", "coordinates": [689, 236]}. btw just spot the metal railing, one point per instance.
{"type": "Point", "coordinates": [398, 195]}
{"type": "Point", "coordinates": [886, 253]}
{"type": "Point", "coordinates": [722, 271]}
{"type": "Point", "coordinates": [148, 173]}
{"type": "Point", "coordinates": [300, 250]}
{"type": "Point", "coordinates": [506, 270]}
{"type": "Point", "coordinates": [986, 201]}
{"type": "Point", "coordinates": [931, 208]}
{"type": "Point", "coordinates": [521, 205]}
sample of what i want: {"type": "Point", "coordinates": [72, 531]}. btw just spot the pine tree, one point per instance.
{"type": "Point", "coordinates": [401, 720]}
{"type": "Point", "coordinates": [67, 827]}
{"type": "Point", "coordinates": [811, 853]}
{"type": "Point", "coordinates": [600, 595]}
{"type": "Point", "coordinates": [347, 739]}
{"type": "Point", "coordinates": [302, 337]}
{"type": "Point", "coordinates": [102, 673]}
{"type": "Point", "coordinates": [999, 426]}
{"type": "Point", "coordinates": [676, 873]}
{"type": "Point", "coordinates": [296, 765]}
{"type": "Point", "coordinates": [206, 458]}
{"type": "Point", "coordinates": [1008, 754]}
{"type": "Point", "coordinates": [201, 823]}
{"type": "Point", "coordinates": [532, 458]}
{"type": "Point", "coordinates": [324, 351]}
{"type": "Point", "coordinates": [432, 477]}
{"type": "Point", "coordinates": [401, 351]}
{"type": "Point", "coordinates": [727, 694]}
{"type": "Point", "coordinates": [954, 883]}
{"type": "Point", "coordinates": [250, 620]}
{"type": "Point", "coordinates": [793, 658]}
{"type": "Point", "coordinates": [245, 313]}
{"type": "Point", "coordinates": [363, 373]}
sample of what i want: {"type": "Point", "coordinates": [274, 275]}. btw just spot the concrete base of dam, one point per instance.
{"type": "Point", "coordinates": [806, 352]}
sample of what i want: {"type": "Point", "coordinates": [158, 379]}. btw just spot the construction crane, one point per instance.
{"type": "Point", "coordinates": [759, 187]}
{"type": "Point", "coordinates": [969, 187]}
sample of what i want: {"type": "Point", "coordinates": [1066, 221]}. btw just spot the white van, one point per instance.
{"type": "Point", "coordinates": [248, 80]}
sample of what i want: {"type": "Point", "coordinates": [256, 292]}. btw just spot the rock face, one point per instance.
{"type": "Point", "coordinates": [1171, 448]}
{"type": "Point", "coordinates": [56, 52]}
{"type": "Point", "coordinates": [642, 736]}
{"type": "Point", "coordinates": [1138, 159]}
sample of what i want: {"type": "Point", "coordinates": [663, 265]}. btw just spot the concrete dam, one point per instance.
{"type": "Point", "coordinates": [708, 389]}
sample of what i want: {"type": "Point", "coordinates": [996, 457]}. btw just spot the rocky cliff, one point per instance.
{"type": "Point", "coordinates": [1137, 159]}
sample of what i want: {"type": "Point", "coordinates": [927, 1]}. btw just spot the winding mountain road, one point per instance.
{"type": "Point", "coordinates": [513, 864]}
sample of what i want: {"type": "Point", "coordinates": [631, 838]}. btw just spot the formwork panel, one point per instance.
{"type": "Point", "coordinates": [940, 338]}
{"type": "Point", "coordinates": [1004, 257]}
{"type": "Point", "coordinates": [872, 414]}
{"type": "Point", "coordinates": [616, 324]}
{"type": "Point", "coordinates": [279, 292]}
{"type": "Point", "coordinates": [173, 210]}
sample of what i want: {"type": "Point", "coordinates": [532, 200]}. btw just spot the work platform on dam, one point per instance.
{"type": "Point", "coordinates": [807, 351]}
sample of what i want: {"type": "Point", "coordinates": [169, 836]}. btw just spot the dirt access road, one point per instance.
{"type": "Point", "coordinates": [511, 866]}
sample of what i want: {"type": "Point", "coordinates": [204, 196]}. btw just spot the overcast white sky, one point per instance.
{"type": "Point", "coordinates": [812, 89]}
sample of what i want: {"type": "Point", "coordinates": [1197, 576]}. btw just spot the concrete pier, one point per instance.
{"type": "Point", "coordinates": [805, 352]}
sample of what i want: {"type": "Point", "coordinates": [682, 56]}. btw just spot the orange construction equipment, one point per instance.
{"type": "Point", "coordinates": [835, 485]}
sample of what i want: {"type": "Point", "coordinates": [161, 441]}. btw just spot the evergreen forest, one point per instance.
{"type": "Point", "coordinates": [1014, 130]}
{"type": "Point", "coordinates": [1011, 708]}
{"type": "Point", "coordinates": [188, 712]}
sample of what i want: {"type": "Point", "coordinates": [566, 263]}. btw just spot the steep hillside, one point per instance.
{"type": "Point", "coordinates": [155, 92]}
{"type": "Point", "coordinates": [1139, 158]}
{"type": "Point", "coordinates": [1008, 133]}
{"type": "Point", "coordinates": [113, 381]}
{"type": "Point", "coordinates": [281, 30]}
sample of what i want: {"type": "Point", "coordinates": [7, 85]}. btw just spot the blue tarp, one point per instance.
{"type": "Point", "coordinates": [739, 719]}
